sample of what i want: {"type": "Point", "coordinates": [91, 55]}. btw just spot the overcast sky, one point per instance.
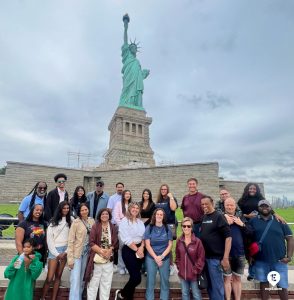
{"type": "Point", "coordinates": [221, 82]}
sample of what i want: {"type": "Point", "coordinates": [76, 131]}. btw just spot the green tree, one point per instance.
{"type": "Point", "coordinates": [3, 170]}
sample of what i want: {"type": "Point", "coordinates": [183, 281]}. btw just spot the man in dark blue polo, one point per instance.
{"type": "Point", "coordinates": [274, 254]}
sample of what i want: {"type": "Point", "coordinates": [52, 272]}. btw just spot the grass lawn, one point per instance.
{"type": "Point", "coordinates": [11, 209]}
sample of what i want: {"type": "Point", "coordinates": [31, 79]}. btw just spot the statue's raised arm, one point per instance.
{"type": "Point", "coordinates": [126, 20]}
{"type": "Point", "coordinates": [133, 75]}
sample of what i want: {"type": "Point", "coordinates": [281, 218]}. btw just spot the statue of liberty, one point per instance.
{"type": "Point", "coordinates": [133, 75]}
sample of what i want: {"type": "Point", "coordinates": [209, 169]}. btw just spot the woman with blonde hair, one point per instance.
{"type": "Point", "coordinates": [190, 260]}
{"type": "Point", "coordinates": [131, 232]}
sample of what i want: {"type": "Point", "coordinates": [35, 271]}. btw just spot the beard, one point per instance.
{"type": "Point", "coordinates": [41, 194]}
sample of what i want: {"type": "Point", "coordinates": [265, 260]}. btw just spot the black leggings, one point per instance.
{"type": "Point", "coordinates": [133, 265]}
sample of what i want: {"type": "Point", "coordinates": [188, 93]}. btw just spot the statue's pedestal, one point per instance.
{"type": "Point", "coordinates": [129, 144]}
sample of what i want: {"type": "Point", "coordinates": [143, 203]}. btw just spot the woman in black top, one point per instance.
{"type": "Point", "coordinates": [79, 197]}
{"type": "Point", "coordinates": [248, 203]}
{"type": "Point", "coordinates": [168, 203]}
{"type": "Point", "coordinates": [32, 227]}
{"type": "Point", "coordinates": [147, 206]}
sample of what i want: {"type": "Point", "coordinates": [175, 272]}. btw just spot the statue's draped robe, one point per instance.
{"type": "Point", "coordinates": [132, 79]}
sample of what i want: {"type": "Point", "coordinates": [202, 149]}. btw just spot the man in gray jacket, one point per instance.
{"type": "Point", "coordinates": [97, 199]}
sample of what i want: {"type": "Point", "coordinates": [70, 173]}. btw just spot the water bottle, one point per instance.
{"type": "Point", "coordinates": [19, 261]}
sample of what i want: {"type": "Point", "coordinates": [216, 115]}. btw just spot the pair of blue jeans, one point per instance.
{"type": "Point", "coordinates": [216, 290]}
{"type": "Point", "coordinates": [77, 277]}
{"type": "Point", "coordinates": [186, 286]}
{"type": "Point", "coordinates": [152, 268]}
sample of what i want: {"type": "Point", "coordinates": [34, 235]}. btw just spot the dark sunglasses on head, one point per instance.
{"type": "Point", "coordinates": [186, 226]}
{"type": "Point", "coordinates": [60, 181]}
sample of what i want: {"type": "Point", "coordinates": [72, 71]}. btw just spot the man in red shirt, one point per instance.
{"type": "Point", "coordinates": [191, 205]}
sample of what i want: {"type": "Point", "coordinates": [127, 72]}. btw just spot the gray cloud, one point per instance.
{"type": "Point", "coordinates": [209, 100]}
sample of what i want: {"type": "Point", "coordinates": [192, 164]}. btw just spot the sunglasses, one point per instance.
{"type": "Point", "coordinates": [99, 184]}
{"type": "Point", "coordinates": [186, 226]}
{"type": "Point", "coordinates": [42, 188]}
{"type": "Point", "coordinates": [60, 181]}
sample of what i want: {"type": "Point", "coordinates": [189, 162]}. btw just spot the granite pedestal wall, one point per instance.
{"type": "Point", "coordinates": [21, 177]}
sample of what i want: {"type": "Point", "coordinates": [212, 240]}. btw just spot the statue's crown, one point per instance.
{"type": "Point", "coordinates": [135, 43]}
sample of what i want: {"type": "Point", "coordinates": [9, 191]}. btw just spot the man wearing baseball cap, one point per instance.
{"type": "Point", "coordinates": [97, 199]}
{"type": "Point", "coordinates": [274, 254]}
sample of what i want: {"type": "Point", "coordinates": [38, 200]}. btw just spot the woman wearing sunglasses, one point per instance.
{"type": "Point", "coordinates": [190, 259]}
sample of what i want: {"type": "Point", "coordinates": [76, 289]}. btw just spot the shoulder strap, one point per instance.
{"type": "Point", "coordinates": [58, 233]}
{"type": "Point", "coordinates": [189, 256]}
{"type": "Point", "coordinates": [150, 228]}
{"type": "Point", "coordinates": [266, 230]}
{"type": "Point", "coordinates": [87, 228]}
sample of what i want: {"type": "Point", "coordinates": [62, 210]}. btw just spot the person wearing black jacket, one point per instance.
{"type": "Point", "coordinates": [55, 196]}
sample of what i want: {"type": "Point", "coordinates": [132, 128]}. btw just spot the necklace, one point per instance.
{"type": "Point", "coordinates": [158, 228]}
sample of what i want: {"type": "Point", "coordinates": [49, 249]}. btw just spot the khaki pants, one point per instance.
{"type": "Point", "coordinates": [102, 278]}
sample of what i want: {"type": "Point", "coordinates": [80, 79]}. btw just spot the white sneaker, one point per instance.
{"type": "Point", "coordinates": [117, 293]}
{"type": "Point", "coordinates": [122, 272]}
{"type": "Point", "coordinates": [114, 268]}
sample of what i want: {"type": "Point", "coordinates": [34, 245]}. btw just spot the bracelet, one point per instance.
{"type": "Point", "coordinates": [162, 256]}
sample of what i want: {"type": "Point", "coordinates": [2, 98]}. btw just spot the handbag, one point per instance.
{"type": "Point", "coordinates": [202, 280]}
{"type": "Point", "coordinates": [98, 259]}
{"type": "Point", "coordinates": [173, 229]}
{"type": "Point", "coordinates": [256, 247]}
{"type": "Point", "coordinates": [202, 277]}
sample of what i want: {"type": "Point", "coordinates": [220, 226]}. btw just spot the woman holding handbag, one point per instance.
{"type": "Point", "coordinates": [103, 242]}
{"type": "Point", "coordinates": [190, 260]}
{"type": "Point", "coordinates": [77, 250]}
{"type": "Point", "coordinates": [57, 236]}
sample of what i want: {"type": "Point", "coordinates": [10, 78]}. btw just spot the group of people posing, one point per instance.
{"type": "Point", "coordinates": [97, 235]}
